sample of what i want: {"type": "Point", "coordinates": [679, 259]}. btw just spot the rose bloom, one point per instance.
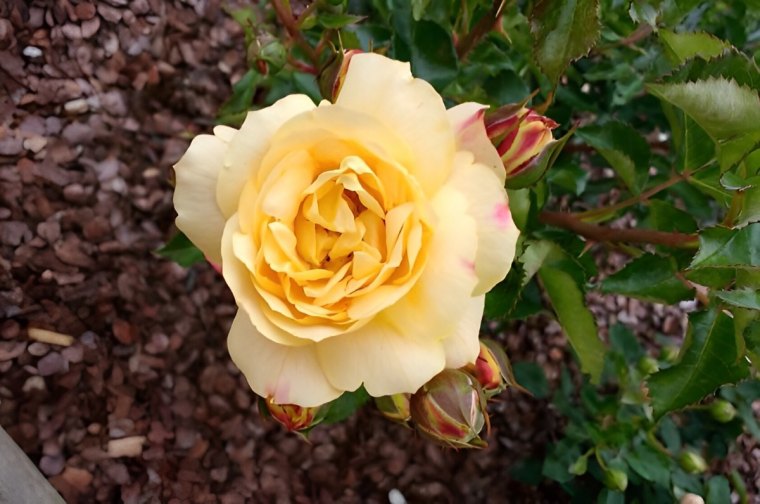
{"type": "Point", "coordinates": [358, 237]}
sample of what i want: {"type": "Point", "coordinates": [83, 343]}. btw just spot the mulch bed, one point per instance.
{"type": "Point", "coordinates": [141, 402]}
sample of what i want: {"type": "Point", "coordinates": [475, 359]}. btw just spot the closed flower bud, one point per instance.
{"type": "Point", "coordinates": [394, 407]}
{"type": "Point", "coordinates": [492, 369]}
{"type": "Point", "coordinates": [647, 365]}
{"type": "Point", "coordinates": [669, 354]}
{"type": "Point", "coordinates": [520, 135]}
{"type": "Point", "coordinates": [615, 479]}
{"type": "Point", "coordinates": [691, 498]}
{"type": "Point", "coordinates": [450, 409]}
{"type": "Point", "coordinates": [692, 462]}
{"type": "Point", "coordinates": [722, 410]}
{"type": "Point", "coordinates": [333, 74]}
{"type": "Point", "coordinates": [295, 418]}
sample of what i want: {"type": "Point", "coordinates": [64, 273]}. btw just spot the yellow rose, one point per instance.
{"type": "Point", "coordinates": [359, 238]}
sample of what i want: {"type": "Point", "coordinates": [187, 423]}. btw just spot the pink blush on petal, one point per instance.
{"type": "Point", "coordinates": [502, 215]}
{"type": "Point", "coordinates": [469, 265]}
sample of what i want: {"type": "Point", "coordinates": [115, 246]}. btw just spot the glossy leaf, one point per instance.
{"type": "Point", "coordinates": [720, 106]}
{"type": "Point", "coordinates": [575, 318]}
{"type": "Point", "coordinates": [346, 405]}
{"type": "Point", "coordinates": [750, 211]}
{"type": "Point", "coordinates": [622, 146]}
{"type": "Point", "coordinates": [709, 358]}
{"type": "Point", "coordinates": [721, 247]}
{"type": "Point", "coordinates": [182, 251]}
{"type": "Point", "coordinates": [683, 46]}
{"type": "Point", "coordinates": [651, 278]}
{"type": "Point", "coordinates": [433, 55]}
{"type": "Point", "coordinates": [563, 32]}
{"type": "Point", "coordinates": [743, 298]}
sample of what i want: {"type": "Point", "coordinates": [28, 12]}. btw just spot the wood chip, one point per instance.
{"type": "Point", "coordinates": [126, 447]}
{"type": "Point", "coordinates": [50, 337]}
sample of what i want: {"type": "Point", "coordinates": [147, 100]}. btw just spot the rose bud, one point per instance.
{"type": "Point", "coordinates": [394, 407]}
{"type": "Point", "coordinates": [450, 409]}
{"type": "Point", "coordinates": [615, 479]}
{"type": "Point", "coordinates": [293, 417]}
{"type": "Point", "coordinates": [333, 74]}
{"type": "Point", "coordinates": [722, 411]}
{"type": "Point", "coordinates": [692, 462]}
{"type": "Point", "coordinates": [492, 369]}
{"type": "Point", "coordinates": [648, 365]}
{"type": "Point", "coordinates": [520, 136]}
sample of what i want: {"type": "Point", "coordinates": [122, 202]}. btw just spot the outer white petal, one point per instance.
{"type": "Point", "coordinates": [403, 347]}
{"type": "Point", "coordinates": [250, 144]}
{"type": "Point", "coordinates": [291, 375]}
{"type": "Point", "coordinates": [463, 345]}
{"type": "Point", "coordinates": [386, 90]}
{"type": "Point", "coordinates": [198, 215]}
{"type": "Point", "coordinates": [488, 205]}
{"type": "Point", "coordinates": [470, 131]}
{"type": "Point", "coordinates": [382, 357]}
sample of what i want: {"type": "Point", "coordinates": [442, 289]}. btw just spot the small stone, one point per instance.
{"type": "Point", "coordinates": [72, 31]}
{"type": "Point", "coordinates": [32, 52]}
{"type": "Point", "coordinates": [52, 363]}
{"type": "Point", "coordinates": [13, 233]}
{"type": "Point", "coordinates": [90, 27]}
{"type": "Point", "coordinates": [50, 465]}
{"type": "Point", "coordinates": [126, 447]}
{"type": "Point", "coordinates": [35, 143]}
{"type": "Point", "coordinates": [34, 383]}
{"type": "Point", "coordinates": [78, 106]}
{"type": "Point", "coordinates": [85, 10]}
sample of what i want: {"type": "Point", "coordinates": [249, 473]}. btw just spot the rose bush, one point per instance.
{"type": "Point", "coordinates": [358, 237]}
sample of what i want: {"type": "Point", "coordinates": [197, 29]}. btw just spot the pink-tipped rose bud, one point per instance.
{"type": "Point", "coordinates": [293, 417]}
{"type": "Point", "coordinates": [394, 407]}
{"type": "Point", "coordinates": [450, 409]}
{"type": "Point", "coordinates": [333, 74]}
{"type": "Point", "coordinates": [492, 369]}
{"type": "Point", "coordinates": [520, 135]}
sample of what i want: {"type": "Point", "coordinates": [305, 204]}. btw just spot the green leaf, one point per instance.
{"type": "Point", "coordinates": [651, 278]}
{"type": "Point", "coordinates": [624, 148]}
{"type": "Point", "coordinates": [563, 32]}
{"type": "Point", "coordinates": [501, 300]}
{"type": "Point", "coordinates": [666, 217]}
{"type": "Point", "coordinates": [694, 148]}
{"type": "Point", "coordinates": [575, 318]}
{"type": "Point", "coordinates": [683, 46]}
{"type": "Point", "coordinates": [718, 490]}
{"type": "Point", "coordinates": [345, 406]}
{"type": "Point", "coordinates": [433, 56]}
{"type": "Point", "coordinates": [181, 250]}
{"type": "Point", "coordinates": [743, 298]}
{"type": "Point", "coordinates": [233, 111]}
{"type": "Point", "coordinates": [709, 358]}
{"type": "Point", "coordinates": [650, 464]}
{"type": "Point", "coordinates": [333, 21]}
{"type": "Point", "coordinates": [720, 106]}
{"type": "Point", "coordinates": [721, 247]}
{"type": "Point", "coordinates": [750, 211]}
{"type": "Point", "coordinates": [531, 376]}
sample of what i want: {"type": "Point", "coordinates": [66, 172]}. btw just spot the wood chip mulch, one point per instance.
{"type": "Point", "coordinates": [114, 374]}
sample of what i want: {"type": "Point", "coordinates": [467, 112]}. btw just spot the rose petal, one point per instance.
{"type": "Point", "coordinates": [470, 129]}
{"type": "Point", "coordinates": [249, 146]}
{"type": "Point", "coordinates": [463, 345]}
{"type": "Point", "coordinates": [385, 89]}
{"type": "Point", "coordinates": [497, 233]}
{"type": "Point", "coordinates": [290, 375]}
{"type": "Point", "coordinates": [382, 357]}
{"type": "Point", "coordinates": [198, 215]}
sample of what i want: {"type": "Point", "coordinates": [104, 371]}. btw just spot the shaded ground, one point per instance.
{"type": "Point", "coordinates": [99, 99]}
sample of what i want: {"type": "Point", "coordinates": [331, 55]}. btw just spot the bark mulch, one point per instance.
{"type": "Point", "coordinates": [132, 396]}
